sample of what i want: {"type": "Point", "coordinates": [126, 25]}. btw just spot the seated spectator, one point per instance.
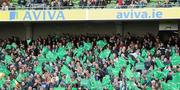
{"type": "Point", "coordinates": [83, 3]}
{"type": "Point", "coordinates": [102, 3]}
{"type": "Point", "coordinates": [55, 3]}
{"type": "Point", "coordinates": [142, 3]}
{"type": "Point", "coordinates": [167, 3]}
{"type": "Point", "coordinates": [93, 2]}
{"type": "Point", "coordinates": [4, 6]}
{"type": "Point", "coordinates": [134, 3]}
{"type": "Point", "coordinates": [21, 3]}
{"type": "Point", "coordinates": [13, 2]}
{"type": "Point", "coordinates": [89, 3]}
{"type": "Point", "coordinates": [92, 62]}
{"type": "Point", "coordinates": [119, 3]}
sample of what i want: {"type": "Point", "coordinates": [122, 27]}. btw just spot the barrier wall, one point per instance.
{"type": "Point", "coordinates": [43, 29]}
{"type": "Point", "coordinates": [91, 14]}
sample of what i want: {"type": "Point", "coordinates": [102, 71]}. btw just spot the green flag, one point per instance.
{"type": "Point", "coordinates": [3, 69]}
{"type": "Point", "coordinates": [38, 69]}
{"type": "Point", "coordinates": [13, 83]}
{"type": "Point", "coordinates": [141, 58]}
{"type": "Point", "coordinates": [106, 81]}
{"type": "Point", "coordinates": [65, 70]}
{"type": "Point", "coordinates": [59, 88]}
{"type": "Point", "coordinates": [104, 54]}
{"type": "Point", "coordinates": [84, 58]}
{"type": "Point", "coordinates": [172, 85]}
{"type": "Point", "coordinates": [49, 68]}
{"type": "Point", "coordinates": [28, 41]}
{"type": "Point", "coordinates": [51, 56]}
{"type": "Point", "coordinates": [68, 79]}
{"type": "Point", "coordinates": [159, 63]}
{"type": "Point", "coordinates": [93, 69]}
{"type": "Point", "coordinates": [74, 82]}
{"type": "Point", "coordinates": [68, 60]}
{"type": "Point", "coordinates": [22, 52]}
{"type": "Point", "coordinates": [115, 71]}
{"type": "Point", "coordinates": [111, 56]}
{"type": "Point", "coordinates": [41, 59]}
{"type": "Point", "coordinates": [110, 87]}
{"type": "Point", "coordinates": [144, 53]}
{"type": "Point", "coordinates": [131, 61]}
{"type": "Point", "coordinates": [21, 76]}
{"type": "Point", "coordinates": [122, 61]}
{"type": "Point", "coordinates": [8, 59]}
{"type": "Point", "coordinates": [87, 46]}
{"type": "Point", "coordinates": [176, 77]}
{"type": "Point", "coordinates": [61, 52]}
{"type": "Point", "coordinates": [2, 81]}
{"type": "Point", "coordinates": [136, 75]}
{"type": "Point", "coordinates": [109, 69]}
{"type": "Point", "coordinates": [44, 50]}
{"type": "Point", "coordinates": [117, 65]}
{"type": "Point", "coordinates": [132, 86]}
{"type": "Point", "coordinates": [98, 85]}
{"type": "Point", "coordinates": [158, 74]}
{"type": "Point", "coordinates": [8, 46]}
{"type": "Point", "coordinates": [165, 72]}
{"type": "Point", "coordinates": [69, 45]}
{"type": "Point", "coordinates": [101, 43]}
{"type": "Point", "coordinates": [175, 60]}
{"type": "Point", "coordinates": [85, 83]}
{"type": "Point", "coordinates": [128, 73]}
{"type": "Point", "coordinates": [152, 51]}
{"type": "Point", "coordinates": [164, 86]}
{"type": "Point", "coordinates": [79, 51]}
{"type": "Point", "coordinates": [148, 88]}
{"type": "Point", "coordinates": [14, 45]}
{"type": "Point", "coordinates": [173, 52]}
{"type": "Point", "coordinates": [139, 66]}
{"type": "Point", "coordinates": [96, 52]}
{"type": "Point", "coordinates": [92, 82]}
{"type": "Point", "coordinates": [74, 88]}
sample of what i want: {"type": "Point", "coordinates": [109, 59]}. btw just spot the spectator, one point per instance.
{"type": "Point", "coordinates": [89, 62]}
{"type": "Point", "coordinates": [119, 3]}
{"type": "Point", "coordinates": [21, 3]}
{"type": "Point", "coordinates": [83, 3]}
{"type": "Point", "coordinates": [102, 3]}
{"type": "Point", "coordinates": [4, 6]}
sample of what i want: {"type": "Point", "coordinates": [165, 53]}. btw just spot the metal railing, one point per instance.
{"type": "Point", "coordinates": [47, 7]}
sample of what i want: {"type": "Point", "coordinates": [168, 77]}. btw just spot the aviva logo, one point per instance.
{"type": "Point", "coordinates": [13, 15]}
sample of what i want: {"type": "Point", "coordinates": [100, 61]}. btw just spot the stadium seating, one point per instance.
{"type": "Point", "coordinates": [61, 4]}
{"type": "Point", "coordinates": [90, 62]}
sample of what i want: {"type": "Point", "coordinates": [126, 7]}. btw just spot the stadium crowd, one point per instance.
{"type": "Point", "coordinates": [93, 62]}
{"type": "Point", "coordinates": [13, 4]}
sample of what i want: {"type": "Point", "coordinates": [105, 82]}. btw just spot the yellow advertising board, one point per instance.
{"type": "Point", "coordinates": [90, 14]}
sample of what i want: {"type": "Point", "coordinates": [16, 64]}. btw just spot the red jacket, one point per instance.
{"type": "Point", "coordinates": [120, 2]}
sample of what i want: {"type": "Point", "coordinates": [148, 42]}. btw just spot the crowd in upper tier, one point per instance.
{"type": "Point", "coordinates": [91, 62]}
{"type": "Point", "coordinates": [61, 4]}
